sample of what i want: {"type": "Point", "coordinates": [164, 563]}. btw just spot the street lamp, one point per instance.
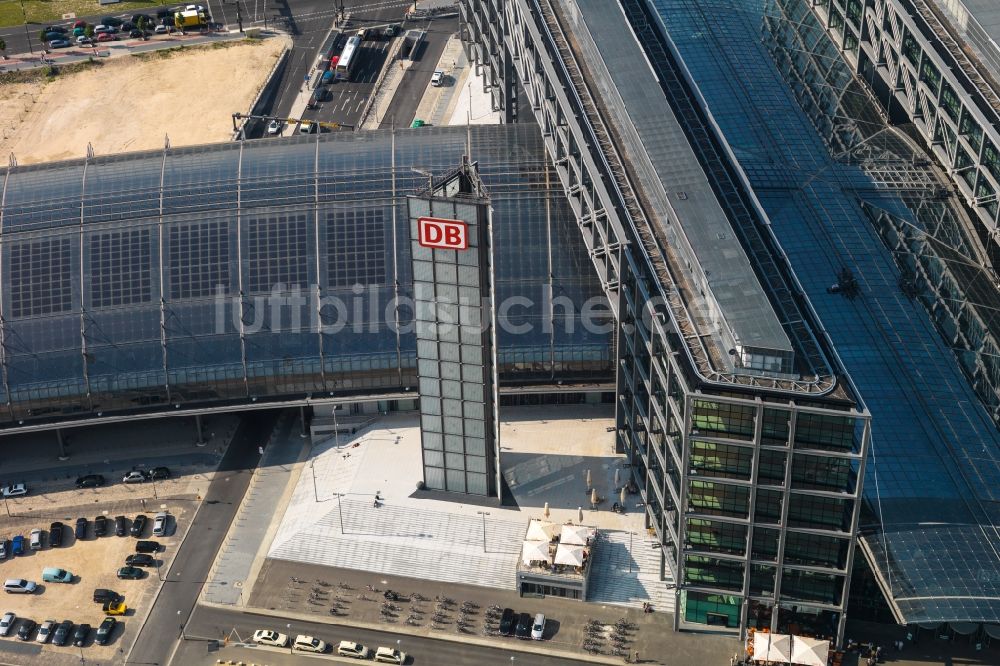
{"type": "Point", "coordinates": [27, 35]}
{"type": "Point", "coordinates": [291, 643]}
{"type": "Point", "coordinates": [340, 510]}
{"type": "Point", "coordinates": [484, 514]}
{"type": "Point", "coordinates": [180, 631]}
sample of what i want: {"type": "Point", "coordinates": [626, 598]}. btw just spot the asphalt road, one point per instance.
{"type": "Point", "coordinates": [190, 567]}
{"type": "Point", "coordinates": [404, 104]}
{"type": "Point", "coordinates": [214, 623]}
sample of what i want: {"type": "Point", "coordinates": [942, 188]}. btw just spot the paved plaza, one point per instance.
{"type": "Point", "coordinates": [331, 518]}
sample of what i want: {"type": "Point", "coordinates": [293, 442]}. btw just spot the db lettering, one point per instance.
{"type": "Point", "coordinates": [445, 234]}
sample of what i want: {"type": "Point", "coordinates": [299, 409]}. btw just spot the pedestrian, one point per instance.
{"type": "Point", "coordinates": [637, 656]}
{"type": "Point", "coordinates": [375, 505]}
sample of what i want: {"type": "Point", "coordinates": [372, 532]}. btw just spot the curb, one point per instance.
{"type": "Point", "coordinates": [469, 639]}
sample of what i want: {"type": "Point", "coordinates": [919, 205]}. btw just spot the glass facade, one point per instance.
{"type": "Point", "coordinates": [266, 269]}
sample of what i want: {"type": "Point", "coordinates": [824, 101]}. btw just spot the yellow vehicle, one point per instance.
{"type": "Point", "coordinates": [114, 608]}
{"type": "Point", "coordinates": [189, 19]}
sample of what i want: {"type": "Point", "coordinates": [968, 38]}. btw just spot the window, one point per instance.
{"type": "Point", "coordinates": [813, 512]}
{"type": "Point", "coordinates": [930, 75]}
{"type": "Point", "coordinates": [971, 130]}
{"type": "Point", "coordinates": [949, 101]}
{"type": "Point", "coordinates": [40, 277]}
{"type": "Point", "coordinates": [713, 572]}
{"type": "Point", "coordinates": [911, 50]}
{"type": "Point", "coordinates": [824, 431]}
{"type": "Point", "coordinates": [719, 499]}
{"type": "Point", "coordinates": [716, 536]}
{"type": "Point", "coordinates": [815, 550]}
{"type": "Point", "coordinates": [721, 460]}
{"type": "Point", "coordinates": [723, 420]}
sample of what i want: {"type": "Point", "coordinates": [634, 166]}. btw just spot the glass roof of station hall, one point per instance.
{"type": "Point", "coordinates": [933, 477]}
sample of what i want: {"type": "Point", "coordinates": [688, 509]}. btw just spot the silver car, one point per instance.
{"type": "Point", "coordinates": [45, 631]}
{"type": "Point", "coordinates": [7, 623]}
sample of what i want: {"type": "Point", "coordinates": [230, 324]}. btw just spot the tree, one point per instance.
{"type": "Point", "coordinates": [142, 24]}
{"type": "Point", "coordinates": [42, 35]}
{"type": "Point", "coordinates": [89, 31]}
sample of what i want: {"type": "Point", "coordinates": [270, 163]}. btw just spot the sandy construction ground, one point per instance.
{"type": "Point", "coordinates": [129, 103]}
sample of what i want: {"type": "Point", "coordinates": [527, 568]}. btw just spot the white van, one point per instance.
{"type": "Point", "coordinates": [19, 586]}
{"type": "Point", "coordinates": [538, 627]}
{"type": "Point", "coordinates": [36, 539]}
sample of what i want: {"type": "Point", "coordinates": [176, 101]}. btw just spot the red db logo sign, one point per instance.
{"type": "Point", "coordinates": [443, 234]}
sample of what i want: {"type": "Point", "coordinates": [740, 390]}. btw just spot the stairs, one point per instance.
{"type": "Point", "coordinates": [611, 582]}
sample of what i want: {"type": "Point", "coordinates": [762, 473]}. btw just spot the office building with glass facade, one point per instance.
{"type": "Point", "coordinates": [751, 472]}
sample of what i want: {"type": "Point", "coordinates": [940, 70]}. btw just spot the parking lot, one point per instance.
{"type": "Point", "coordinates": [93, 562]}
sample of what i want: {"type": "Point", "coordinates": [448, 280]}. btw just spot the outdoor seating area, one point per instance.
{"type": "Point", "coordinates": [555, 559]}
{"type": "Point", "coordinates": [764, 647]}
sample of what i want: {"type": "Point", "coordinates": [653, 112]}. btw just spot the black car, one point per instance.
{"type": "Point", "coordinates": [121, 526]}
{"type": "Point", "coordinates": [81, 528]}
{"type": "Point", "coordinates": [523, 629]}
{"type": "Point", "coordinates": [26, 629]}
{"type": "Point", "coordinates": [80, 635]}
{"type": "Point", "coordinates": [130, 573]}
{"type": "Point", "coordinates": [56, 28]}
{"type": "Point", "coordinates": [135, 33]}
{"type": "Point", "coordinates": [90, 481]}
{"type": "Point", "coordinates": [138, 525]}
{"type": "Point", "coordinates": [140, 560]}
{"type": "Point", "coordinates": [112, 21]}
{"type": "Point", "coordinates": [100, 526]}
{"type": "Point", "coordinates": [55, 534]}
{"type": "Point", "coordinates": [102, 595]}
{"type": "Point", "coordinates": [159, 473]}
{"type": "Point", "coordinates": [507, 622]}
{"type": "Point", "coordinates": [105, 630]}
{"type": "Point", "coordinates": [138, 17]}
{"type": "Point", "coordinates": [147, 546]}
{"type": "Point", "coordinates": [62, 633]}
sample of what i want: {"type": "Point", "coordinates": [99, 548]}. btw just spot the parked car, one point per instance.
{"type": "Point", "coordinates": [80, 635]}
{"type": "Point", "coordinates": [437, 78]}
{"type": "Point", "coordinates": [35, 539]}
{"type": "Point", "coordinates": [160, 522]}
{"type": "Point", "coordinates": [135, 476]}
{"type": "Point", "coordinates": [100, 27]}
{"type": "Point", "coordinates": [105, 630]}
{"type": "Point", "coordinates": [79, 24]}
{"type": "Point", "coordinates": [19, 586]}
{"type": "Point", "coordinates": [112, 21]}
{"type": "Point", "coordinates": [14, 490]}
{"type": "Point", "coordinates": [17, 545]}
{"type": "Point", "coordinates": [56, 28]}
{"type": "Point", "coordinates": [159, 473]}
{"type": "Point", "coordinates": [106, 37]}
{"type": "Point", "coordinates": [7, 623]}
{"type": "Point", "coordinates": [274, 127]}
{"type": "Point", "coordinates": [49, 36]}
{"type": "Point", "coordinates": [78, 32]}
{"type": "Point", "coordinates": [388, 655]}
{"type": "Point", "coordinates": [121, 526]}
{"type": "Point", "coordinates": [138, 17]}
{"type": "Point", "coordinates": [523, 628]}
{"type": "Point", "coordinates": [538, 627]}
{"type": "Point", "coordinates": [138, 525]}
{"type": "Point", "coordinates": [140, 560]}
{"type": "Point", "coordinates": [62, 633]}
{"type": "Point", "coordinates": [268, 637]}
{"type": "Point", "coordinates": [55, 534]}
{"type": "Point", "coordinates": [100, 526]}
{"type": "Point", "coordinates": [81, 528]}
{"type": "Point", "coordinates": [135, 33]}
{"type": "Point", "coordinates": [90, 480]}
{"type": "Point", "coordinates": [26, 629]}
{"type": "Point", "coordinates": [4, 549]}
{"type": "Point", "coordinates": [114, 608]}
{"type": "Point", "coordinates": [147, 546]}
{"type": "Point", "coordinates": [130, 573]}
{"type": "Point", "coordinates": [305, 643]}
{"type": "Point", "coordinates": [163, 29]}
{"type": "Point", "coordinates": [56, 575]}
{"type": "Point", "coordinates": [59, 44]}
{"type": "Point", "coordinates": [507, 622]}
{"type": "Point", "coordinates": [83, 40]}
{"type": "Point", "coordinates": [103, 595]}
{"type": "Point", "coordinates": [45, 631]}
{"type": "Point", "coordinates": [352, 649]}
